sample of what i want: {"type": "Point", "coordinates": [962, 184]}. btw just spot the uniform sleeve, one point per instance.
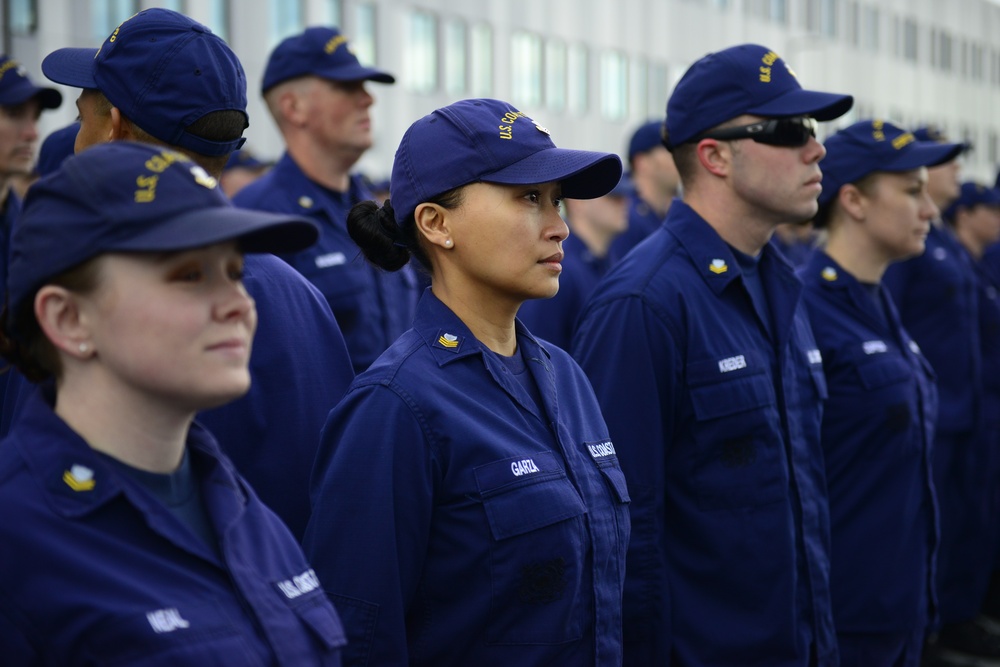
{"type": "Point", "coordinates": [630, 356]}
{"type": "Point", "coordinates": [372, 493]}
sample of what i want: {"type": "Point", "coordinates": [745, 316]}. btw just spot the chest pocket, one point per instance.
{"type": "Point", "coordinates": [890, 384]}
{"type": "Point", "coordinates": [738, 459]}
{"type": "Point", "coordinates": [340, 275]}
{"type": "Point", "coordinates": [199, 633]}
{"type": "Point", "coordinates": [538, 551]}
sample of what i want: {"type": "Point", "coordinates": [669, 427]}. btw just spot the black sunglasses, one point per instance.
{"type": "Point", "coordinates": [774, 131]}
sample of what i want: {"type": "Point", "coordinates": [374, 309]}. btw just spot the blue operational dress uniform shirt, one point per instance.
{"type": "Point", "coordinates": [936, 294]}
{"type": "Point", "coordinates": [372, 307]}
{"type": "Point", "coordinates": [716, 423]}
{"type": "Point", "coordinates": [299, 369]}
{"type": "Point", "coordinates": [554, 320]}
{"type": "Point", "coordinates": [95, 571]}
{"type": "Point", "coordinates": [458, 522]}
{"type": "Point", "coordinates": [9, 211]}
{"type": "Point", "coordinates": [878, 429]}
{"type": "Point", "coordinates": [989, 328]}
{"type": "Point", "coordinates": [642, 221]}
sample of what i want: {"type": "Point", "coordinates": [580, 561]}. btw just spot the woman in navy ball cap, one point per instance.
{"type": "Point", "coordinates": [468, 504]}
{"type": "Point", "coordinates": [878, 423]}
{"type": "Point", "coordinates": [128, 536]}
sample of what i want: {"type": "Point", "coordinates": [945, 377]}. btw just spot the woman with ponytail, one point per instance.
{"type": "Point", "coordinates": [468, 504]}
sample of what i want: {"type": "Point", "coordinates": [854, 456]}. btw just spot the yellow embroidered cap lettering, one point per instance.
{"type": "Point", "coordinates": [718, 266]}
{"type": "Point", "coordinates": [79, 478]}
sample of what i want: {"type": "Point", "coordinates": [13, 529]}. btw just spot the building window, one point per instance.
{"type": "Point", "coordinates": [614, 85]}
{"type": "Point", "coordinates": [555, 76]}
{"type": "Point", "coordinates": [331, 13]}
{"type": "Point", "coordinates": [578, 64]}
{"type": "Point", "coordinates": [526, 70]}
{"type": "Point", "coordinates": [779, 11]}
{"type": "Point", "coordinates": [909, 40]}
{"type": "Point", "coordinates": [286, 19]}
{"type": "Point", "coordinates": [106, 15]}
{"type": "Point", "coordinates": [659, 90]}
{"type": "Point", "coordinates": [420, 62]}
{"type": "Point", "coordinates": [23, 17]}
{"type": "Point", "coordinates": [218, 17]}
{"type": "Point", "coordinates": [481, 60]}
{"type": "Point", "coordinates": [455, 48]}
{"type": "Point", "coordinates": [364, 34]}
{"type": "Point", "coordinates": [870, 39]}
{"type": "Point", "coordinates": [638, 79]}
{"type": "Point", "coordinates": [945, 51]}
{"type": "Point", "coordinates": [853, 24]}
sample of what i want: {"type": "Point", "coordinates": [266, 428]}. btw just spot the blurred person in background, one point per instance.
{"type": "Point", "coordinates": [315, 89]}
{"type": "Point", "coordinates": [655, 182]}
{"type": "Point", "coordinates": [593, 226]}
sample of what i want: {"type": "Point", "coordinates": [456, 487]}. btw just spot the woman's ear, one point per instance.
{"type": "Point", "coordinates": [432, 222]}
{"type": "Point", "coordinates": [853, 202]}
{"type": "Point", "coordinates": [59, 317]}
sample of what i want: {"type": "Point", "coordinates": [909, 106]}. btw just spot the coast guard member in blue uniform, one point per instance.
{"type": "Point", "coordinates": [314, 87]}
{"type": "Point", "coordinates": [128, 536]}
{"type": "Point", "coordinates": [878, 424]}
{"type": "Point", "coordinates": [21, 104]}
{"type": "Point", "coordinates": [471, 458]}
{"type": "Point", "coordinates": [702, 357]}
{"type": "Point", "coordinates": [188, 77]}
{"type": "Point", "coordinates": [936, 294]}
{"type": "Point", "coordinates": [656, 182]}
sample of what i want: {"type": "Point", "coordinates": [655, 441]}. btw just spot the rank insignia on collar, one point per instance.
{"type": "Point", "coordinates": [829, 274]}
{"type": "Point", "coordinates": [79, 478]}
{"type": "Point", "coordinates": [448, 340]}
{"type": "Point", "coordinates": [718, 266]}
{"type": "Point", "coordinates": [305, 201]}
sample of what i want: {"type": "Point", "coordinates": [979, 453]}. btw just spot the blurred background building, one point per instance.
{"type": "Point", "coordinates": [589, 70]}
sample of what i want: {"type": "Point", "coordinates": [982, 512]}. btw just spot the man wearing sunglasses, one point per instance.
{"type": "Point", "coordinates": [700, 351]}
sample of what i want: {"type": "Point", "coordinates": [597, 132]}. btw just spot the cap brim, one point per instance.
{"type": "Point", "coordinates": [256, 231]}
{"type": "Point", "coordinates": [48, 98]}
{"type": "Point", "coordinates": [924, 154]}
{"type": "Point", "coordinates": [582, 174]}
{"type": "Point", "coordinates": [357, 73]}
{"type": "Point", "coordinates": [821, 106]}
{"type": "Point", "coordinates": [71, 67]}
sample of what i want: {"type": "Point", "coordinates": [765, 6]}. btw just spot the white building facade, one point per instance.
{"type": "Point", "coordinates": [589, 70]}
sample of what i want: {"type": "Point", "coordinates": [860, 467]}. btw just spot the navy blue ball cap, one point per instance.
{"type": "Point", "coordinates": [973, 194]}
{"type": "Point", "coordinates": [646, 137]}
{"type": "Point", "coordinates": [164, 71]}
{"type": "Point", "coordinates": [56, 147]}
{"type": "Point", "coordinates": [318, 51]}
{"type": "Point", "coordinates": [876, 145]}
{"type": "Point", "coordinates": [484, 140]}
{"type": "Point", "coordinates": [744, 79]}
{"type": "Point", "coordinates": [130, 197]}
{"type": "Point", "coordinates": [16, 87]}
{"type": "Point", "coordinates": [935, 133]}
